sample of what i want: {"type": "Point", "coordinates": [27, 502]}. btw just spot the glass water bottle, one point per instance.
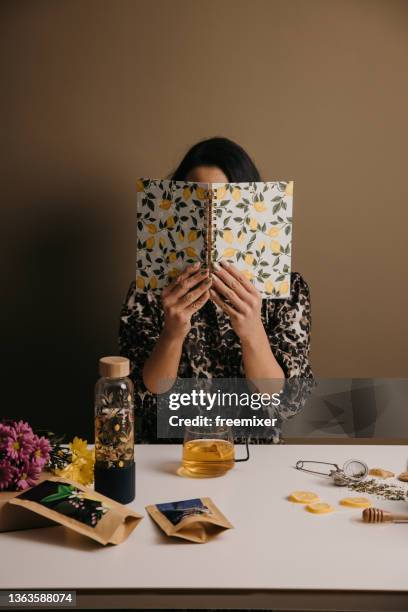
{"type": "Point", "coordinates": [114, 431]}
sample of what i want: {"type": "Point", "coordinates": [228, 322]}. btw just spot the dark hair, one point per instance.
{"type": "Point", "coordinates": [223, 153]}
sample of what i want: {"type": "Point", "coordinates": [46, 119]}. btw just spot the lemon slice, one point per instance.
{"type": "Point", "coordinates": [303, 497]}
{"type": "Point", "coordinates": [319, 508]}
{"type": "Point", "coordinates": [356, 502]}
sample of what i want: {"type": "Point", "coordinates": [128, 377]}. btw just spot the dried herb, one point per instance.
{"type": "Point", "coordinates": [384, 490]}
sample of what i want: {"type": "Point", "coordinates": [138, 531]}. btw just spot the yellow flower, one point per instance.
{"type": "Point", "coordinates": [151, 228]}
{"type": "Point", "coordinates": [170, 222]}
{"type": "Point", "coordinates": [261, 245]}
{"type": "Point", "coordinates": [82, 464]}
{"type": "Point", "coordinates": [181, 235]}
{"type": "Point", "coordinates": [79, 446]}
{"type": "Point", "coordinates": [192, 236]}
{"type": "Point", "coordinates": [140, 282]}
{"type": "Point", "coordinates": [191, 252]}
{"type": "Point", "coordinates": [268, 286]}
{"type": "Point", "coordinates": [186, 193]}
{"type": "Point", "coordinates": [229, 252]}
{"type": "Point", "coordinates": [273, 231]}
{"type": "Point", "coordinates": [165, 204]}
{"type": "Point", "coordinates": [162, 241]}
{"type": "Point", "coordinates": [236, 193]}
{"type": "Point", "coordinates": [249, 259]}
{"type": "Point", "coordinates": [139, 185]}
{"type": "Point", "coordinates": [172, 256]}
{"type": "Point", "coordinates": [253, 224]}
{"type": "Point", "coordinates": [284, 287]}
{"type": "Point", "coordinates": [149, 243]}
{"type": "Point", "coordinates": [220, 192]}
{"type": "Point", "coordinates": [241, 236]}
{"type": "Point", "coordinates": [201, 193]}
{"type": "Point", "coordinates": [289, 189]}
{"type": "Point", "coordinates": [275, 246]}
{"type": "Point", "coordinates": [228, 236]}
{"type": "Point", "coordinates": [249, 274]}
{"type": "Point", "coordinates": [153, 283]}
{"type": "Point", "coordinates": [259, 207]}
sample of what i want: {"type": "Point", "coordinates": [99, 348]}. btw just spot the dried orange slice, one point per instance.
{"type": "Point", "coordinates": [303, 497]}
{"type": "Point", "coordinates": [356, 502]}
{"type": "Point", "coordinates": [319, 508]}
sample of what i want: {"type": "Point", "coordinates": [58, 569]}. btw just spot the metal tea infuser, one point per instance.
{"type": "Point", "coordinates": [352, 471]}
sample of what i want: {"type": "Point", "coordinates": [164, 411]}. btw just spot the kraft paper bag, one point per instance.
{"type": "Point", "coordinates": [80, 509]}
{"type": "Point", "coordinates": [196, 520]}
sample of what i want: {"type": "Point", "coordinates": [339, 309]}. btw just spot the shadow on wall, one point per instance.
{"type": "Point", "coordinates": [53, 315]}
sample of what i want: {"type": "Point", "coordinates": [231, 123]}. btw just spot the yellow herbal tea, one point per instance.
{"type": "Point", "coordinates": [208, 457]}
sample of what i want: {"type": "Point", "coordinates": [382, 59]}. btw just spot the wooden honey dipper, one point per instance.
{"type": "Point", "coordinates": [376, 515]}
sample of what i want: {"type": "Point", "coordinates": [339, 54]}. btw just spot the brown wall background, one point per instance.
{"type": "Point", "coordinates": [97, 92]}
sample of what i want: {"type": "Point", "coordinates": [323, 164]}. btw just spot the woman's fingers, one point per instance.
{"type": "Point", "coordinates": [228, 292]}
{"type": "Point", "coordinates": [200, 302]}
{"type": "Point", "coordinates": [239, 276]}
{"type": "Point", "coordinates": [220, 302]}
{"type": "Point", "coordinates": [189, 299]}
{"type": "Point", "coordinates": [191, 276]}
{"type": "Point", "coordinates": [232, 282]}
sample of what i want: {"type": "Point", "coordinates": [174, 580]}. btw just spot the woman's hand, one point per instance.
{"type": "Point", "coordinates": [244, 301]}
{"type": "Point", "coordinates": [182, 298]}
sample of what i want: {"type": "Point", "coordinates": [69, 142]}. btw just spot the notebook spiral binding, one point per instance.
{"type": "Point", "coordinates": [210, 225]}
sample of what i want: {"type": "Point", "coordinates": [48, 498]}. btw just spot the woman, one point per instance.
{"type": "Point", "coordinates": [212, 327]}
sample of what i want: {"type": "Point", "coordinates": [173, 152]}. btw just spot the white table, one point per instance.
{"type": "Point", "coordinates": [278, 554]}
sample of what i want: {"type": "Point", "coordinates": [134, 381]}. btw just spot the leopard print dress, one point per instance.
{"type": "Point", "coordinates": [212, 348]}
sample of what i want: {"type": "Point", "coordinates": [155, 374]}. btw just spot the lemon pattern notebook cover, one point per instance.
{"type": "Point", "coordinates": [246, 224]}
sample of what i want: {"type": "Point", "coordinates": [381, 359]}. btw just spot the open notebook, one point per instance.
{"type": "Point", "coordinates": [247, 224]}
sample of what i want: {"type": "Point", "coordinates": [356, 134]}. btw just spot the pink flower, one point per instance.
{"type": "Point", "coordinates": [7, 474]}
{"type": "Point", "coordinates": [42, 448]}
{"type": "Point", "coordinates": [5, 432]}
{"type": "Point", "coordinates": [28, 476]}
{"type": "Point", "coordinates": [20, 444]}
{"type": "Point", "coordinates": [22, 428]}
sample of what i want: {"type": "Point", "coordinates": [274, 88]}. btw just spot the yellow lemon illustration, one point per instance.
{"type": "Point", "coordinates": [191, 252]}
{"type": "Point", "coordinates": [173, 273]}
{"type": "Point", "coordinates": [275, 246]}
{"type": "Point", "coordinates": [320, 508]}
{"type": "Point", "coordinates": [289, 189]}
{"type": "Point", "coordinates": [153, 283]}
{"type": "Point", "coordinates": [236, 193]}
{"type": "Point", "coordinates": [248, 273]}
{"type": "Point", "coordinates": [273, 231]}
{"type": "Point", "coordinates": [165, 204]}
{"type": "Point", "coordinates": [181, 235]}
{"type": "Point", "coordinates": [221, 192]}
{"type": "Point", "coordinates": [192, 236]}
{"type": "Point", "coordinates": [186, 193]}
{"type": "Point", "coordinates": [303, 497]}
{"type": "Point", "coordinates": [170, 222]}
{"type": "Point", "coordinates": [140, 282]}
{"type": "Point", "coordinates": [249, 259]}
{"type": "Point", "coordinates": [241, 236]}
{"type": "Point", "coordinates": [228, 236]}
{"type": "Point", "coordinates": [356, 502]}
{"type": "Point", "coordinates": [151, 228]}
{"type": "Point", "coordinates": [253, 224]}
{"type": "Point", "coordinates": [229, 252]}
{"type": "Point", "coordinates": [149, 243]}
{"type": "Point", "coordinates": [201, 193]}
{"type": "Point", "coordinates": [139, 185]}
{"type": "Point", "coordinates": [162, 241]}
{"type": "Point", "coordinates": [261, 245]}
{"type": "Point", "coordinates": [284, 287]}
{"type": "Point", "coordinates": [172, 256]}
{"type": "Point", "coordinates": [268, 286]}
{"type": "Point", "coordinates": [259, 207]}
